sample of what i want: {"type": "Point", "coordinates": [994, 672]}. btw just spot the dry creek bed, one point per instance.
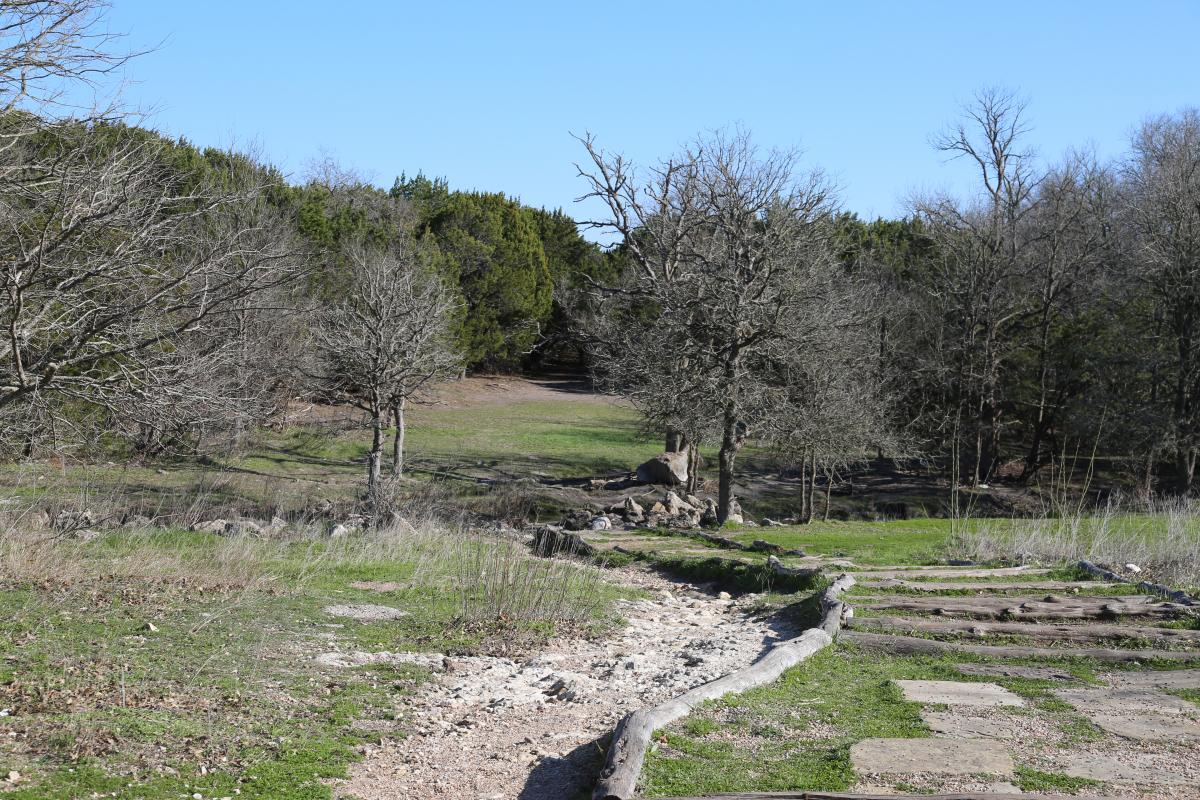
{"type": "Point", "coordinates": [495, 728]}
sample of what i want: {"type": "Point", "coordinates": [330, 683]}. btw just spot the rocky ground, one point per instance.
{"type": "Point", "coordinates": [499, 728]}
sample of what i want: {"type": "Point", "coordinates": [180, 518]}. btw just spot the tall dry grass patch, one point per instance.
{"type": "Point", "coordinates": [1161, 538]}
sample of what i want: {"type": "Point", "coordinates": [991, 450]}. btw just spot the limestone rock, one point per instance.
{"type": "Point", "coordinates": [669, 469]}
{"type": "Point", "coordinates": [675, 506]}
{"type": "Point", "coordinates": [600, 523]}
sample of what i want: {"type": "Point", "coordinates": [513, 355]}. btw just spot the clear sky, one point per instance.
{"type": "Point", "coordinates": [487, 94]}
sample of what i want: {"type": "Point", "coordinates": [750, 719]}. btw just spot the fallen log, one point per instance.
{"type": "Point", "coordinates": [947, 572]}
{"type": "Point", "coordinates": [907, 645]}
{"type": "Point", "coordinates": [627, 751]}
{"type": "Point", "coordinates": [1048, 607]}
{"type": "Point", "coordinates": [1064, 633]}
{"type": "Point", "coordinates": [982, 586]}
{"type": "Point", "coordinates": [779, 568]}
{"type": "Point", "coordinates": [1177, 596]}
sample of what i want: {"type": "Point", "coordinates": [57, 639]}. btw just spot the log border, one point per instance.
{"type": "Point", "coordinates": [627, 750]}
{"type": "Point", "coordinates": [1180, 597]}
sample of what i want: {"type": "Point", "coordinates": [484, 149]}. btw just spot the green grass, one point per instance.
{"type": "Point", "coordinates": [129, 663]}
{"type": "Point", "coordinates": [763, 740]}
{"type": "Point", "coordinates": [1031, 780]}
{"type": "Point", "coordinates": [920, 541]}
{"type": "Point", "coordinates": [295, 468]}
{"type": "Point", "coordinates": [796, 734]}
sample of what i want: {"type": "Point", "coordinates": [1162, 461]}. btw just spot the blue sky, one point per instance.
{"type": "Point", "coordinates": [488, 93]}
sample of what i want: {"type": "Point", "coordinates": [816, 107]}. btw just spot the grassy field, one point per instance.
{"type": "Point", "coordinates": [163, 664]}
{"type": "Point", "coordinates": [920, 541]}
{"type": "Point", "coordinates": [462, 448]}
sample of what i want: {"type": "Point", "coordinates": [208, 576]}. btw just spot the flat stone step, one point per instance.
{"type": "Point", "coordinates": [1016, 671]}
{"type": "Point", "coordinates": [958, 725]}
{"type": "Point", "coordinates": [1139, 769]}
{"type": "Point", "coordinates": [959, 693]}
{"type": "Point", "coordinates": [1136, 713]}
{"type": "Point", "coordinates": [932, 756]}
{"type": "Point", "coordinates": [1160, 679]}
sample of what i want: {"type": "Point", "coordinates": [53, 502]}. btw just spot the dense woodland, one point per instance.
{"type": "Point", "coordinates": [162, 298]}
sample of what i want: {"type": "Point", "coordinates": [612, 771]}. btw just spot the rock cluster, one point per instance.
{"type": "Point", "coordinates": [686, 512]}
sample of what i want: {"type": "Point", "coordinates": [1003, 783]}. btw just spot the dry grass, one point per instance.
{"type": "Point", "coordinates": [1162, 538]}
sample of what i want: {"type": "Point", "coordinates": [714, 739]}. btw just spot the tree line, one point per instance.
{"type": "Point", "coordinates": [160, 297]}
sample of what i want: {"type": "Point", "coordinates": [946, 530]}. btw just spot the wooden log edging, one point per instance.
{"type": "Point", "coordinates": [908, 645]}
{"type": "Point", "coordinates": [1046, 632]}
{"type": "Point", "coordinates": [627, 751]}
{"type": "Point", "coordinates": [779, 568]}
{"type": "Point", "coordinates": [1182, 598]}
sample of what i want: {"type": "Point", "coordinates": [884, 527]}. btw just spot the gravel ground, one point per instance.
{"type": "Point", "coordinates": [498, 728]}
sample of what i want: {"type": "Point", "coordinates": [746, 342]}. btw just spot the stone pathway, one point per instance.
{"type": "Point", "coordinates": [1145, 742]}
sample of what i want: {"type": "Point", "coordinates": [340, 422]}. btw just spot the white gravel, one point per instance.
{"type": "Point", "coordinates": [499, 728]}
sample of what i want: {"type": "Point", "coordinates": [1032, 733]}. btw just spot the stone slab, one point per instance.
{"type": "Point", "coordinates": [959, 693]}
{"type": "Point", "coordinates": [365, 612]}
{"type": "Point", "coordinates": [934, 756]}
{"type": "Point", "coordinates": [965, 726]}
{"type": "Point", "coordinates": [1161, 679]}
{"type": "Point", "coordinates": [1135, 769]}
{"type": "Point", "coordinates": [1006, 671]}
{"type": "Point", "coordinates": [1137, 713]}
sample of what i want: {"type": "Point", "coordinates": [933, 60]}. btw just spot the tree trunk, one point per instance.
{"type": "Point", "coordinates": [693, 481]}
{"type": "Point", "coordinates": [398, 439]}
{"type": "Point", "coordinates": [375, 457]}
{"type": "Point", "coordinates": [1185, 462]}
{"type": "Point", "coordinates": [812, 488]}
{"type": "Point", "coordinates": [803, 487]}
{"type": "Point", "coordinates": [730, 444]}
{"type": "Point", "coordinates": [828, 492]}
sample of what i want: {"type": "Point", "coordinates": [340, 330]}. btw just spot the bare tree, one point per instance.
{"type": "Point", "coordinates": [114, 267]}
{"type": "Point", "coordinates": [1161, 184]}
{"type": "Point", "coordinates": [979, 276]}
{"type": "Point", "coordinates": [49, 47]}
{"type": "Point", "coordinates": [736, 287]}
{"type": "Point", "coordinates": [1072, 246]}
{"type": "Point", "coordinates": [390, 338]}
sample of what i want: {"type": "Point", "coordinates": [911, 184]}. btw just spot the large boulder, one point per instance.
{"type": "Point", "coordinates": [670, 469]}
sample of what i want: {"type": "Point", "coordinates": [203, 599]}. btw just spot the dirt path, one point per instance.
{"type": "Point", "coordinates": [497, 728]}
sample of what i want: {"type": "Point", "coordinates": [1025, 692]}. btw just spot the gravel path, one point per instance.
{"type": "Point", "coordinates": [498, 728]}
